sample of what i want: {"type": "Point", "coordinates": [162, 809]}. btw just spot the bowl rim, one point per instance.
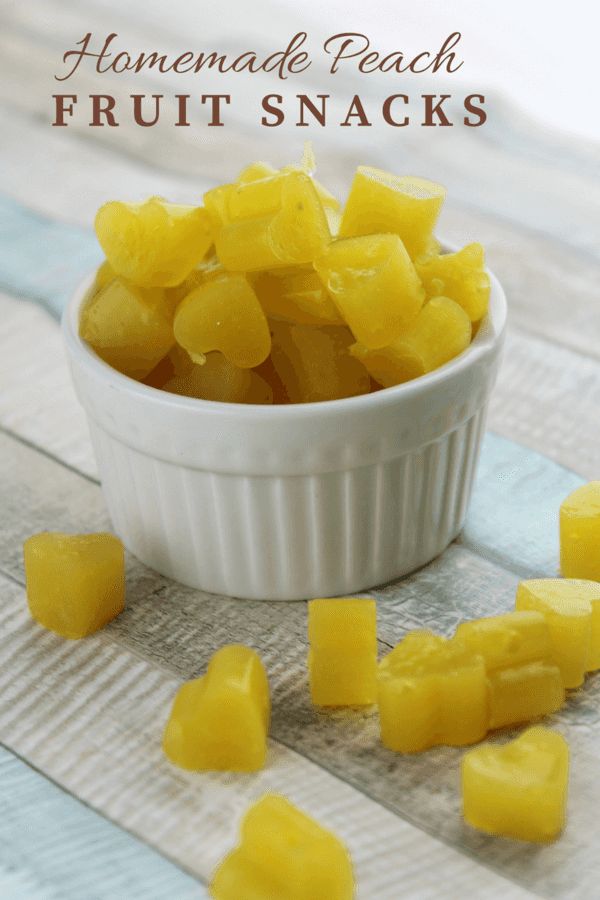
{"type": "Point", "coordinates": [489, 335]}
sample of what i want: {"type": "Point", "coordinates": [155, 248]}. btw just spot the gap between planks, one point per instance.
{"type": "Point", "coordinates": [86, 715]}
{"type": "Point", "coordinates": [544, 188]}
{"type": "Point", "coordinates": [178, 629]}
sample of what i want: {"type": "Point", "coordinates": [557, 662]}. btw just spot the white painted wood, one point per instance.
{"type": "Point", "coordinates": [503, 168]}
{"type": "Point", "coordinates": [91, 713]}
{"type": "Point", "coordinates": [114, 691]}
{"type": "Point", "coordinates": [37, 400]}
{"type": "Point", "coordinates": [53, 847]}
{"type": "Point", "coordinates": [546, 397]}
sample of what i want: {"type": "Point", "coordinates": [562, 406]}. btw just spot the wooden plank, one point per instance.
{"type": "Point", "coordinates": [90, 714]}
{"type": "Point", "coordinates": [513, 515]}
{"type": "Point", "coordinates": [476, 164]}
{"type": "Point", "coordinates": [71, 851]}
{"type": "Point", "coordinates": [42, 260]}
{"type": "Point", "coordinates": [173, 630]}
{"type": "Point", "coordinates": [58, 156]}
{"type": "Point", "coordinates": [37, 400]}
{"type": "Point", "coordinates": [547, 398]}
{"type": "Point", "coordinates": [550, 285]}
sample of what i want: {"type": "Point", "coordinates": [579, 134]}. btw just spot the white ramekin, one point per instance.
{"type": "Point", "coordinates": [289, 502]}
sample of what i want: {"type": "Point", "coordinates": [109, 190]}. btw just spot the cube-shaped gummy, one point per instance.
{"type": "Point", "coordinates": [580, 533]}
{"type": "Point", "coordinates": [569, 606]}
{"type": "Point", "coordinates": [374, 285]}
{"type": "Point", "coordinates": [297, 296]}
{"type": "Point", "coordinates": [518, 790]}
{"type": "Point", "coordinates": [381, 203]}
{"type": "Point", "coordinates": [104, 274]}
{"type": "Point", "coordinates": [75, 582]}
{"type": "Point", "coordinates": [218, 379]}
{"type": "Point", "coordinates": [221, 721]}
{"type": "Point", "coordinates": [431, 691]}
{"type": "Point", "coordinates": [460, 276]}
{"type": "Point", "coordinates": [284, 855]}
{"type": "Point", "coordinates": [224, 314]}
{"type": "Point", "coordinates": [206, 270]}
{"type": "Point", "coordinates": [153, 244]}
{"type": "Point", "coordinates": [130, 328]}
{"type": "Point", "coordinates": [273, 222]}
{"type": "Point", "coordinates": [256, 171]}
{"type": "Point", "coordinates": [511, 639]}
{"type": "Point", "coordinates": [521, 693]}
{"type": "Point", "coordinates": [315, 364]}
{"type": "Point", "coordinates": [440, 332]}
{"type": "Point", "coordinates": [342, 660]}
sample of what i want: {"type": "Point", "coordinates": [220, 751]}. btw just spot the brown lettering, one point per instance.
{"type": "Point", "coordinates": [60, 109]}
{"type": "Point", "coordinates": [215, 105]}
{"type": "Point", "coordinates": [435, 109]}
{"type": "Point", "coordinates": [268, 107]}
{"type": "Point", "coordinates": [357, 110]}
{"type": "Point", "coordinates": [182, 119]}
{"type": "Point", "coordinates": [307, 103]}
{"type": "Point", "coordinates": [387, 110]}
{"type": "Point", "coordinates": [446, 58]}
{"type": "Point", "coordinates": [137, 109]}
{"type": "Point", "coordinates": [346, 40]}
{"type": "Point", "coordinates": [477, 110]}
{"type": "Point", "coordinates": [102, 105]}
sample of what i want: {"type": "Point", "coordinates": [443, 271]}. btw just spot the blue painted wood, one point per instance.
{"type": "Point", "coordinates": [513, 516]}
{"type": "Point", "coordinates": [40, 259]}
{"type": "Point", "coordinates": [52, 847]}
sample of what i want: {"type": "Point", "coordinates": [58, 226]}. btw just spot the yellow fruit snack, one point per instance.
{"type": "Point", "coordinates": [297, 296]}
{"type": "Point", "coordinates": [521, 693]}
{"type": "Point", "coordinates": [153, 244]}
{"type": "Point", "coordinates": [460, 276]}
{"type": "Point", "coordinates": [374, 285]}
{"type": "Point", "coordinates": [569, 607]}
{"type": "Point", "coordinates": [507, 640]}
{"type": "Point", "coordinates": [440, 332]}
{"type": "Point", "coordinates": [518, 790]}
{"type": "Point", "coordinates": [221, 721]}
{"type": "Point", "coordinates": [207, 269]}
{"type": "Point", "coordinates": [381, 203]}
{"type": "Point", "coordinates": [342, 660]}
{"type": "Point", "coordinates": [256, 171]}
{"type": "Point", "coordinates": [224, 314]}
{"type": "Point", "coordinates": [273, 222]}
{"type": "Point", "coordinates": [272, 253]}
{"type": "Point", "coordinates": [75, 582]}
{"type": "Point", "coordinates": [130, 328]}
{"type": "Point", "coordinates": [523, 681]}
{"type": "Point", "coordinates": [431, 691]}
{"type": "Point", "coordinates": [218, 379]}
{"type": "Point", "coordinates": [284, 855]}
{"type": "Point", "coordinates": [315, 364]}
{"type": "Point", "coordinates": [580, 533]}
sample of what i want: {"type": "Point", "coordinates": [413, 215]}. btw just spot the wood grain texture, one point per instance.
{"type": "Point", "coordinates": [172, 631]}
{"type": "Point", "coordinates": [37, 399]}
{"type": "Point", "coordinates": [71, 852]}
{"type": "Point", "coordinates": [552, 183]}
{"type": "Point", "coordinates": [90, 714]}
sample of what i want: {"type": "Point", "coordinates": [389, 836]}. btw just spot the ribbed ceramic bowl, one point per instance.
{"type": "Point", "coordinates": [288, 502]}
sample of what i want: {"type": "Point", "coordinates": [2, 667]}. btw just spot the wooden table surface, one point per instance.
{"type": "Point", "coordinates": [90, 808]}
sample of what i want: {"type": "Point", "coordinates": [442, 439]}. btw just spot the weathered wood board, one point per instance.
{"type": "Point", "coordinates": [89, 716]}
